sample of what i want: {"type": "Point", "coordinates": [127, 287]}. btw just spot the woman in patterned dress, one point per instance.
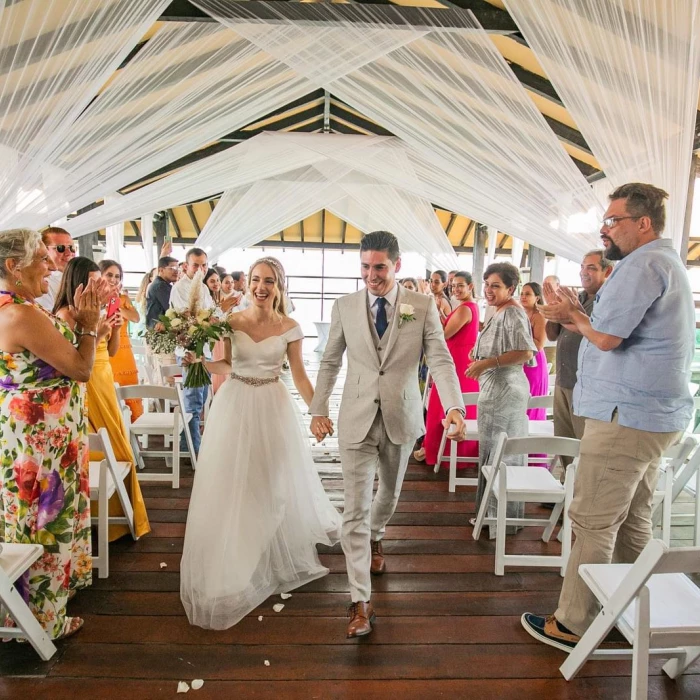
{"type": "Point", "coordinates": [44, 471]}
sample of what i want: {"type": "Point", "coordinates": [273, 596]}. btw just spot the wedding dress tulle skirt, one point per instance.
{"type": "Point", "coordinates": [257, 509]}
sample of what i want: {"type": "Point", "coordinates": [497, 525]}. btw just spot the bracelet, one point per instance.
{"type": "Point", "coordinates": [90, 333]}
{"type": "Point", "coordinates": [498, 363]}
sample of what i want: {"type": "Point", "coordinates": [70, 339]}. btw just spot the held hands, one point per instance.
{"type": "Point", "coordinates": [454, 422]}
{"type": "Point", "coordinates": [321, 426]}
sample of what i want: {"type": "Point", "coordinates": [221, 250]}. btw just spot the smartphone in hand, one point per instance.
{"type": "Point", "coordinates": [113, 306]}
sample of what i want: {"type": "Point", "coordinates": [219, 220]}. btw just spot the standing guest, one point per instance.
{"type": "Point", "coordinates": [62, 250]}
{"type": "Point", "coordinates": [632, 389]}
{"type": "Point", "coordinates": [461, 329]}
{"type": "Point", "coordinates": [410, 284]}
{"type": "Point", "coordinates": [102, 403]}
{"type": "Point", "coordinates": [240, 288]}
{"type": "Point", "coordinates": [537, 373]}
{"type": "Point", "coordinates": [438, 282]}
{"type": "Point", "coordinates": [504, 346]}
{"type": "Point", "coordinates": [213, 283]}
{"type": "Point", "coordinates": [181, 271]}
{"type": "Point", "coordinates": [158, 296]}
{"type": "Point", "coordinates": [45, 470]}
{"type": "Point", "coordinates": [139, 328]}
{"type": "Point", "coordinates": [195, 397]}
{"type": "Point", "coordinates": [123, 362]}
{"type": "Point", "coordinates": [595, 269]}
{"type": "Point", "coordinates": [223, 305]}
{"type": "Point", "coordinates": [454, 303]}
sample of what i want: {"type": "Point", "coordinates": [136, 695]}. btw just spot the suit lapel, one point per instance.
{"type": "Point", "coordinates": [363, 321]}
{"type": "Point", "coordinates": [394, 329]}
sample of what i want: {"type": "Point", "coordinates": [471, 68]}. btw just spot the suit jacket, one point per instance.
{"type": "Point", "coordinates": [384, 373]}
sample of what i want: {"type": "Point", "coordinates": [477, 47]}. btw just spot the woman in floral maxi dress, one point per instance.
{"type": "Point", "coordinates": [44, 469]}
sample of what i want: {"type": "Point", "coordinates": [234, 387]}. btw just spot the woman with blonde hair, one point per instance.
{"type": "Point", "coordinates": [44, 472]}
{"type": "Point", "coordinates": [258, 508]}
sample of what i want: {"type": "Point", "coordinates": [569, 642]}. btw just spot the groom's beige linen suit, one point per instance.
{"type": "Point", "coordinates": [381, 411]}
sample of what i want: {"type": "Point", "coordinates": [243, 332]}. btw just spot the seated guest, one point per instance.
{"type": "Point", "coordinates": [62, 250]}
{"type": "Point", "coordinates": [536, 373]}
{"type": "Point", "coordinates": [461, 329]}
{"type": "Point", "coordinates": [632, 389]}
{"type": "Point", "coordinates": [158, 296]}
{"type": "Point", "coordinates": [438, 282]}
{"type": "Point", "coordinates": [123, 362]}
{"type": "Point", "coordinates": [102, 403]}
{"type": "Point", "coordinates": [44, 497]}
{"type": "Point", "coordinates": [502, 349]}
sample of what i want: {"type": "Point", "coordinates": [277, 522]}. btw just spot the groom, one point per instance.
{"type": "Point", "coordinates": [384, 328]}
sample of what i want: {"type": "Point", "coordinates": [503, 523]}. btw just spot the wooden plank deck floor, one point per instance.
{"type": "Point", "coordinates": [447, 627]}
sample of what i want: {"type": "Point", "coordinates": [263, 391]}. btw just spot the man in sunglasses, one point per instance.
{"type": "Point", "coordinates": [62, 249]}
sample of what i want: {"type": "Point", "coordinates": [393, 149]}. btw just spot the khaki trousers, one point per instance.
{"type": "Point", "coordinates": [566, 424]}
{"type": "Point", "coordinates": [362, 517]}
{"type": "Point", "coordinates": [611, 511]}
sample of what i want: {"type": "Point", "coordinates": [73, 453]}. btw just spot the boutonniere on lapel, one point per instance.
{"type": "Point", "coordinates": [406, 314]}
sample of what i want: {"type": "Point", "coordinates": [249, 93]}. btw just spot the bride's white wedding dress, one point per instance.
{"type": "Point", "coordinates": [258, 506]}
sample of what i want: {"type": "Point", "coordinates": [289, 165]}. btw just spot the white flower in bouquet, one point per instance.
{"type": "Point", "coordinates": [171, 313]}
{"type": "Point", "coordinates": [191, 330]}
{"type": "Point", "coordinates": [203, 314]}
{"type": "Point", "coordinates": [176, 322]}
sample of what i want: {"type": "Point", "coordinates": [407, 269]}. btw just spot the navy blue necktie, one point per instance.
{"type": "Point", "coordinates": [381, 324]}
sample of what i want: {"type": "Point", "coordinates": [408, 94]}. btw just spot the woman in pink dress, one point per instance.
{"type": "Point", "coordinates": [461, 329]}
{"type": "Point", "coordinates": [537, 375]}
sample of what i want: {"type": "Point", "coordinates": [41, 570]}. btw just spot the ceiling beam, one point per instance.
{"type": "Point", "coordinates": [492, 19]}
{"type": "Point", "coordinates": [343, 231]}
{"type": "Point", "coordinates": [174, 224]}
{"type": "Point", "coordinates": [323, 225]}
{"type": "Point", "coordinates": [135, 229]}
{"type": "Point", "coordinates": [193, 219]}
{"type": "Point", "coordinates": [301, 230]}
{"type": "Point", "coordinates": [467, 231]}
{"type": "Point", "coordinates": [450, 223]}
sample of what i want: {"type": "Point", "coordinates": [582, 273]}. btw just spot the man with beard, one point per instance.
{"type": "Point", "coordinates": [632, 389]}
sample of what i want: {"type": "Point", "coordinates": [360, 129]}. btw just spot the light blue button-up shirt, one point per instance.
{"type": "Point", "coordinates": [647, 301]}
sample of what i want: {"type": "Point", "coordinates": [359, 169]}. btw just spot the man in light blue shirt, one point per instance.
{"type": "Point", "coordinates": [632, 389]}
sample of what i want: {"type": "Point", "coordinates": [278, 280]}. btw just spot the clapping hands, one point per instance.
{"type": "Point", "coordinates": [562, 303]}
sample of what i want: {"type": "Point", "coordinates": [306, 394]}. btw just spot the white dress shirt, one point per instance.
{"type": "Point", "coordinates": [390, 304]}
{"type": "Point", "coordinates": [180, 295]}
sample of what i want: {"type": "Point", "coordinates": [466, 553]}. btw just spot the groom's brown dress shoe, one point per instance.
{"type": "Point", "coordinates": [361, 618]}
{"type": "Point", "coordinates": [378, 565]}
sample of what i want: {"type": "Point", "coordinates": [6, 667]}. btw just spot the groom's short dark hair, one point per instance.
{"type": "Point", "coordinates": [381, 240]}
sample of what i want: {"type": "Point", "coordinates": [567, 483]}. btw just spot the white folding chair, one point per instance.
{"type": "Point", "coordinates": [510, 484]}
{"type": "Point", "coordinates": [107, 478]}
{"type": "Point", "coordinates": [469, 398]}
{"type": "Point", "coordinates": [15, 559]}
{"type": "Point", "coordinates": [673, 464]}
{"type": "Point", "coordinates": [426, 390]}
{"type": "Point", "coordinates": [163, 424]}
{"type": "Point", "coordinates": [552, 383]}
{"type": "Point", "coordinates": [653, 603]}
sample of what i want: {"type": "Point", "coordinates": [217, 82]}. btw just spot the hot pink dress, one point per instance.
{"type": "Point", "coordinates": [459, 345]}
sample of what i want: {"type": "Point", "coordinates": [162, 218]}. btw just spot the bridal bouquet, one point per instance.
{"type": "Point", "coordinates": [193, 329]}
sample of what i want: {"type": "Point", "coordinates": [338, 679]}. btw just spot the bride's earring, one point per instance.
{"type": "Point", "coordinates": [18, 282]}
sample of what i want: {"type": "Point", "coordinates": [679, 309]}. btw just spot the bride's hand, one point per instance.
{"type": "Point", "coordinates": [188, 359]}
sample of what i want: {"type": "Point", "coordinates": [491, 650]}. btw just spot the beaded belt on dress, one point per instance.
{"type": "Point", "coordinates": [254, 381]}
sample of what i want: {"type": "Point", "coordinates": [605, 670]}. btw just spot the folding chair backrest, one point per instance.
{"type": "Point", "coordinates": [566, 447]}
{"type": "Point", "coordinates": [677, 454]}
{"type": "Point", "coordinates": [147, 391]}
{"type": "Point", "coordinates": [541, 401]}
{"type": "Point", "coordinates": [167, 371]}
{"type": "Point", "coordinates": [679, 560]}
{"type": "Point", "coordinates": [470, 398]}
{"type": "Point", "coordinates": [95, 442]}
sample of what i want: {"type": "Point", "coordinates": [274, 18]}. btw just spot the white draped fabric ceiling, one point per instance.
{"type": "Point", "coordinates": [468, 136]}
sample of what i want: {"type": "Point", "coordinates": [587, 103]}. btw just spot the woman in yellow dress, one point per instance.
{"type": "Point", "coordinates": [102, 404]}
{"type": "Point", "coordinates": [123, 362]}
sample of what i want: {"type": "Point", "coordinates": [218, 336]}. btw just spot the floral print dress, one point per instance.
{"type": "Point", "coordinates": [44, 476]}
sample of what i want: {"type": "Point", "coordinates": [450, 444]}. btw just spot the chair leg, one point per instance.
{"type": "Point", "coordinates": [676, 667]}
{"type": "Point", "coordinates": [176, 452]}
{"type": "Point", "coordinates": [453, 465]}
{"type": "Point", "coordinates": [133, 439]}
{"type": "Point", "coordinates": [564, 535]}
{"type": "Point", "coordinates": [640, 651]}
{"type": "Point", "coordinates": [103, 525]}
{"type": "Point", "coordinates": [441, 451]}
{"type": "Point", "coordinates": [501, 510]}
{"type": "Point", "coordinates": [553, 520]}
{"type": "Point", "coordinates": [696, 532]}
{"type": "Point", "coordinates": [666, 507]}
{"type": "Point", "coordinates": [190, 446]}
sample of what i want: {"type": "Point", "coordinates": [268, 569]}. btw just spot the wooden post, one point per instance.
{"type": "Point", "coordinates": [536, 264]}
{"type": "Point", "coordinates": [479, 256]}
{"type": "Point", "coordinates": [86, 243]}
{"type": "Point", "coordinates": [694, 165]}
{"type": "Point", "coordinates": [160, 228]}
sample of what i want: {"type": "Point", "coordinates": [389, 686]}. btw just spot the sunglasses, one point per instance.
{"type": "Point", "coordinates": [60, 248]}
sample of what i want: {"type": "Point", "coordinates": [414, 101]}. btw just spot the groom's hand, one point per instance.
{"type": "Point", "coordinates": [454, 422]}
{"type": "Point", "coordinates": [321, 426]}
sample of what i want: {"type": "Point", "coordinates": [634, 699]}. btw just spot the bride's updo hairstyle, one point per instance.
{"type": "Point", "coordinates": [279, 303]}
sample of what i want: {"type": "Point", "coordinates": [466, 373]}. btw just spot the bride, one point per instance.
{"type": "Point", "coordinates": [258, 507]}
